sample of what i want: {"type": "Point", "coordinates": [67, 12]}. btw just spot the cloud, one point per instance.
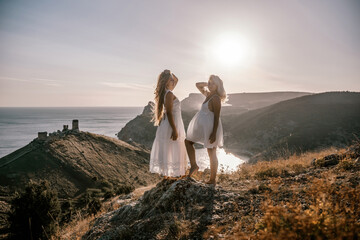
{"type": "Point", "coordinates": [14, 79]}
{"type": "Point", "coordinates": [48, 82]}
{"type": "Point", "coordinates": [131, 86]}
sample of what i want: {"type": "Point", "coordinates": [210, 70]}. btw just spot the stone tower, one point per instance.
{"type": "Point", "coordinates": [75, 125]}
{"type": "Point", "coordinates": [42, 135]}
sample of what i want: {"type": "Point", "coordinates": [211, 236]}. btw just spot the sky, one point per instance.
{"type": "Point", "coordinates": [110, 53]}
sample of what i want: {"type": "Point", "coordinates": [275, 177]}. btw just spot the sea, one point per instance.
{"type": "Point", "coordinates": [19, 126]}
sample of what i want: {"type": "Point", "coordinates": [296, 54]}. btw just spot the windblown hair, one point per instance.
{"type": "Point", "coordinates": [220, 87]}
{"type": "Point", "coordinates": [159, 96]}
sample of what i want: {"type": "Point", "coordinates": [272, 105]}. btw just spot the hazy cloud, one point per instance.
{"type": "Point", "coordinates": [48, 82]}
{"type": "Point", "coordinates": [132, 86]}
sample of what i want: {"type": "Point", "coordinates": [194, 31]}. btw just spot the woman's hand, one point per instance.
{"type": "Point", "coordinates": [174, 135]}
{"type": "Point", "coordinates": [202, 86]}
{"type": "Point", "coordinates": [212, 137]}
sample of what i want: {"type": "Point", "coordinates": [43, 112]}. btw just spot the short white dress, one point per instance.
{"type": "Point", "coordinates": [201, 126]}
{"type": "Point", "coordinates": [169, 157]}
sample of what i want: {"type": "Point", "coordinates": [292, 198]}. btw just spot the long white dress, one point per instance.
{"type": "Point", "coordinates": [169, 157]}
{"type": "Point", "coordinates": [201, 126]}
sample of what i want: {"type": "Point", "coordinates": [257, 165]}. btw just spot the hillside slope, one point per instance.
{"type": "Point", "coordinates": [242, 101]}
{"type": "Point", "coordinates": [77, 161]}
{"type": "Point", "coordinates": [300, 124]}
{"type": "Point", "coordinates": [298, 198]}
{"type": "Point", "coordinates": [142, 130]}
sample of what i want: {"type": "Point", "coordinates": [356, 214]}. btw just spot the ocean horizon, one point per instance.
{"type": "Point", "coordinates": [20, 125]}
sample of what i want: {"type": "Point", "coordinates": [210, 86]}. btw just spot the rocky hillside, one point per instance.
{"type": "Point", "coordinates": [312, 196]}
{"type": "Point", "coordinates": [242, 101]}
{"type": "Point", "coordinates": [296, 125]}
{"type": "Point", "coordinates": [74, 161]}
{"type": "Point", "coordinates": [142, 131]}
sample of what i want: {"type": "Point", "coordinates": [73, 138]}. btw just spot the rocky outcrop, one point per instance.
{"type": "Point", "coordinates": [140, 130]}
{"type": "Point", "coordinates": [352, 153]}
{"type": "Point", "coordinates": [173, 209]}
{"type": "Point", "coordinates": [192, 102]}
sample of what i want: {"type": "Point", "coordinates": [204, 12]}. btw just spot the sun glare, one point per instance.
{"type": "Point", "coordinates": [232, 50]}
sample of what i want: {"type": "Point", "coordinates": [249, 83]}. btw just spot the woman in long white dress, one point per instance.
{"type": "Point", "coordinates": [168, 153]}
{"type": "Point", "coordinates": [205, 127]}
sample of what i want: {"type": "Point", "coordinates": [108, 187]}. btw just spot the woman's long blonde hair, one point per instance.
{"type": "Point", "coordinates": [220, 87]}
{"type": "Point", "coordinates": [159, 96]}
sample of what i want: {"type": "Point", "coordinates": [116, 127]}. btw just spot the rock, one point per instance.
{"type": "Point", "coordinates": [140, 130]}
{"type": "Point", "coordinates": [166, 209]}
{"type": "Point", "coordinates": [328, 161]}
{"type": "Point", "coordinates": [148, 109]}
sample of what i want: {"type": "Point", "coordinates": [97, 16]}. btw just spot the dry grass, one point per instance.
{"type": "Point", "coordinates": [76, 228]}
{"type": "Point", "coordinates": [295, 164]}
{"type": "Point", "coordinates": [81, 223]}
{"type": "Point", "coordinates": [322, 205]}
{"type": "Point", "coordinates": [324, 212]}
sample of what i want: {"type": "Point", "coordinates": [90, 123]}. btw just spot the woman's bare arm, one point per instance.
{"type": "Point", "coordinates": [169, 106]}
{"type": "Point", "coordinates": [175, 79]}
{"type": "Point", "coordinates": [201, 86]}
{"type": "Point", "coordinates": [216, 106]}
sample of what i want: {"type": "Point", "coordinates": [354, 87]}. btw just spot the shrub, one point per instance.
{"type": "Point", "coordinates": [298, 168]}
{"type": "Point", "coordinates": [94, 206]}
{"type": "Point", "coordinates": [108, 193]}
{"type": "Point", "coordinates": [34, 213]}
{"type": "Point", "coordinates": [267, 173]}
{"type": "Point", "coordinates": [106, 184]}
{"type": "Point", "coordinates": [91, 200]}
{"type": "Point", "coordinates": [124, 189]}
{"type": "Point", "coordinates": [347, 164]}
{"type": "Point", "coordinates": [67, 211]}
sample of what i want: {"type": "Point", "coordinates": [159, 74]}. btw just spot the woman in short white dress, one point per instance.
{"type": "Point", "coordinates": [168, 153]}
{"type": "Point", "coordinates": [206, 127]}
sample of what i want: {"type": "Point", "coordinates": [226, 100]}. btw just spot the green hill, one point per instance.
{"type": "Point", "coordinates": [142, 130]}
{"type": "Point", "coordinates": [76, 161]}
{"type": "Point", "coordinates": [300, 124]}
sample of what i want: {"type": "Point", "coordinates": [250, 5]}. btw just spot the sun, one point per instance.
{"type": "Point", "coordinates": [233, 50]}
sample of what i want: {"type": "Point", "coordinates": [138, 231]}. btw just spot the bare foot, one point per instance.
{"type": "Point", "coordinates": [213, 182]}
{"type": "Point", "coordinates": [193, 170]}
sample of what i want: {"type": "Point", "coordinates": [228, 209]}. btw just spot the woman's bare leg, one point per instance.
{"type": "Point", "coordinates": [191, 153]}
{"type": "Point", "coordinates": [213, 165]}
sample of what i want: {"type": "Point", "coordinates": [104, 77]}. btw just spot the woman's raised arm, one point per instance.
{"type": "Point", "coordinates": [201, 86]}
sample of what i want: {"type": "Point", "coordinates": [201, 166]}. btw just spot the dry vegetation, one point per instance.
{"type": "Point", "coordinates": [81, 222]}
{"type": "Point", "coordinates": [295, 198]}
